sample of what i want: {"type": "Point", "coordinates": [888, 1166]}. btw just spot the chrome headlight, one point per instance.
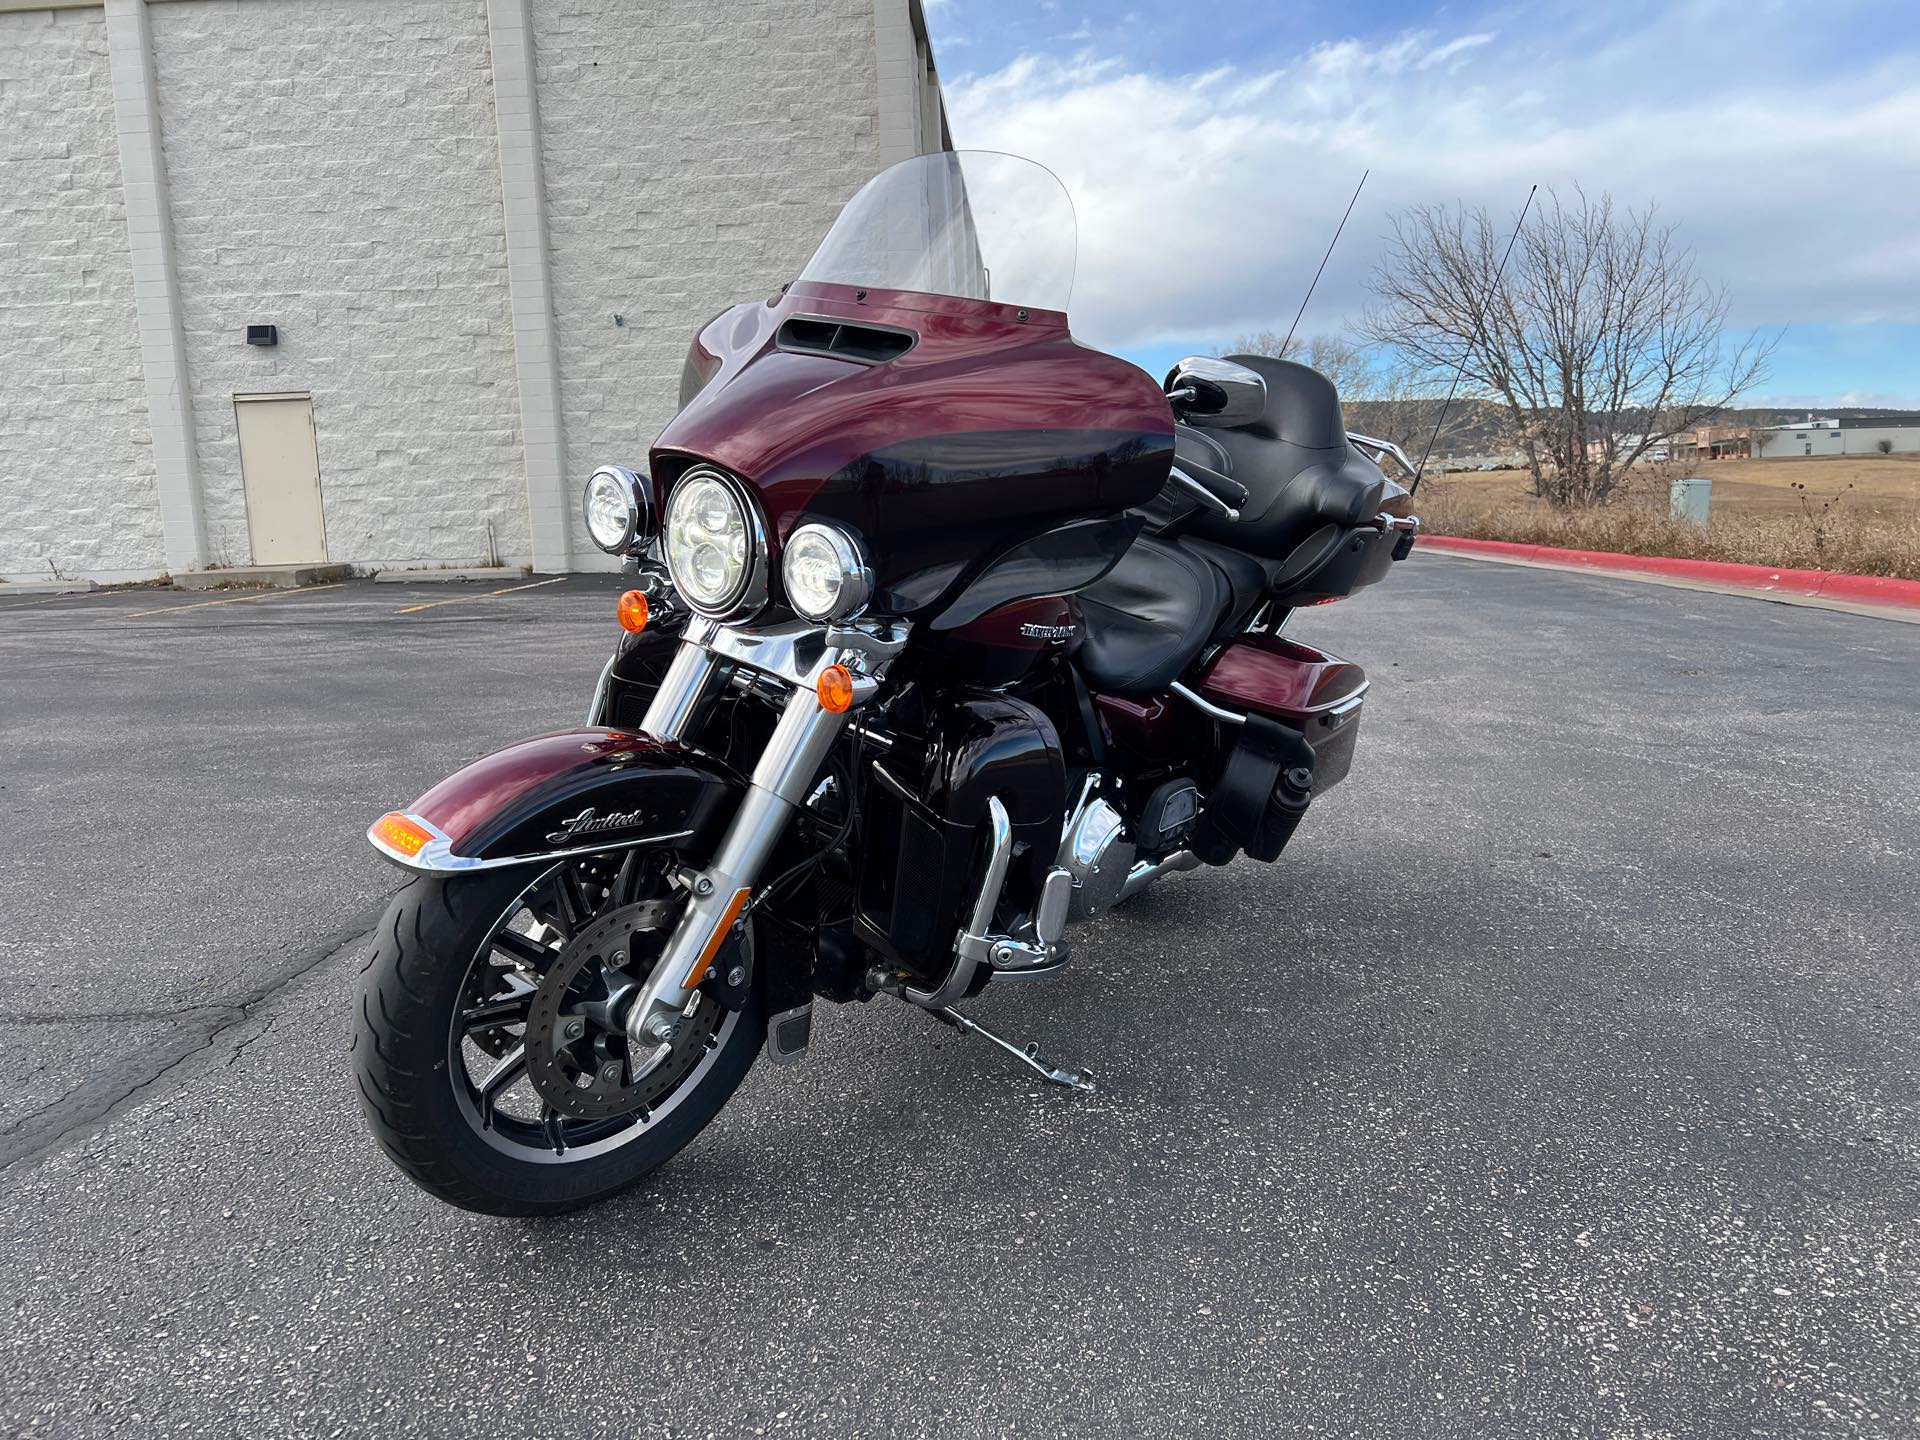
{"type": "Point", "coordinates": [825, 577]}
{"type": "Point", "coordinates": [716, 546]}
{"type": "Point", "coordinates": [617, 509]}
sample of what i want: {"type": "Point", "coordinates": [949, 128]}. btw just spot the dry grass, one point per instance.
{"type": "Point", "coordinates": [1856, 515]}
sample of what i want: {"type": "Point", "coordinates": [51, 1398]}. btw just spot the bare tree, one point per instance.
{"type": "Point", "coordinates": [1347, 365]}
{"type": "Point", "coordinates": [1601, 342]}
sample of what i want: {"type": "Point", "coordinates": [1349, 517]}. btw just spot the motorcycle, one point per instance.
{"type": "Point", "coordinates": [945, 632]}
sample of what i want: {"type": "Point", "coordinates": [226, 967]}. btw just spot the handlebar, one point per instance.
{"type": "Point", "coordinates": [1222, 492]}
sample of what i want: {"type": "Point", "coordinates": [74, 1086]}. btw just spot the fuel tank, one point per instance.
{"type": "Point", "coordinates": [940, 430]}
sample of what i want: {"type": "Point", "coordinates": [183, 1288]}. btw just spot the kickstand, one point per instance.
{"type": "Point", "coordinates": [1053, 1075]}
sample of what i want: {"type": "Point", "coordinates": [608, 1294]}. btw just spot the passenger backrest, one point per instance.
{"type": "Point", "coordinates": [1301, 474]}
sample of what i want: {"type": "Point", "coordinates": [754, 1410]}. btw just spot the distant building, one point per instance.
{"type": "Point", "coordinates": [1624, 445]}
{"type": "Point", "coordinates": [1853, 435]}
{"type": "Point", "coordinates": [1713, 442]}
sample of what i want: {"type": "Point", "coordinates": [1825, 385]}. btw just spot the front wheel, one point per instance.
{"type": "Point", "coordinates": [489, 1050]}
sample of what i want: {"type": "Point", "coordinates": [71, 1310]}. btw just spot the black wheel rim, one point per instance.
{"type": "Point", "coordinates": [489, 1043]}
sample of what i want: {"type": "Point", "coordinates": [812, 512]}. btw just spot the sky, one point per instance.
{"type": "Point", "coordinates": [1210, 148]}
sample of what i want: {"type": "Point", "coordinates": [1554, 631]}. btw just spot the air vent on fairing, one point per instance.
{"type": "Point", "coordinates": [844, 340]}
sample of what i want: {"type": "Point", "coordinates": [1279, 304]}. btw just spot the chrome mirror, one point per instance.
{"type": "Point", "coordinates": [1205, 391]}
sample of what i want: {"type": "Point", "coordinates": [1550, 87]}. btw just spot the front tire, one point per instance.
{"type": "Point", "coordinates": [454, 948]}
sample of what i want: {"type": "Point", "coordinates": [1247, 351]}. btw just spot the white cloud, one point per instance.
{"type": "Point", "coordinates": [1440, 54]}
{"type": "Point", "coordinates": [1204, 201]}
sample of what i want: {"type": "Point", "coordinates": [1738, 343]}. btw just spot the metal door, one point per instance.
{"type": "Point", "coordinates": [280, 466]}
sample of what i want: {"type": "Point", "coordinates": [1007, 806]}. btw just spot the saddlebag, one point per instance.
{"type": "Point", "coordinates": [1310, 691]}
{"type": "Point", "coordinates": [1303, 716]}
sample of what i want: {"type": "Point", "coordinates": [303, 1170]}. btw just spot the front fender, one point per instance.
{"type": "Point", "coordinates": [570, 793]}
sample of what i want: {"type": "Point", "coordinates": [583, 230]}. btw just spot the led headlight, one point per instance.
{"type": "Point", "coordinates": [618, 513]}
{"type": "Point", "coordinates": [824, 574]}
{"type": "Point", "coordinates": [716, 549]}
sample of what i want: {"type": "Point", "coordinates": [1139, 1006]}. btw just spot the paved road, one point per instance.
{"type": "Point", "coordinates": [1562, 1080]}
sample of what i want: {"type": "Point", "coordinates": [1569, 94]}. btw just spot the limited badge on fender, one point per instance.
{"type": "Point", "coordinates": [587, 823]}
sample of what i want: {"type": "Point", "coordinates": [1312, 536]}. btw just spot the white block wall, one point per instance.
{"type": "Point", "coordinates": [76, 460]}
{"type": "Point", "coordinates": [333, 167]}
{"type": "Point", "coordinates": [333, 170]}
{"type": "Point", "coordinates": [694, 153]}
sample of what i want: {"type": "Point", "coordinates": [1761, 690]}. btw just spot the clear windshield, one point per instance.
{"type": "Point", "coordinates": [972, 223]}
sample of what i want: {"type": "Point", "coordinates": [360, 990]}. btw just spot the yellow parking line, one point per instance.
{"type": "Point", "coordinates": [235, 600]}
{"type": "Point", "coordinates": [462, 599]}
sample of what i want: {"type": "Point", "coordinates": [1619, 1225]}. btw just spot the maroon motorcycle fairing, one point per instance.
{"type": "Point", "coordinates": [1008, 643]}
{"type": "Point", "coordinates": [995, 426]}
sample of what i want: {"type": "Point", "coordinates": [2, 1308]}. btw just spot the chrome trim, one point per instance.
{"type": "Point", "coordinates": [1384, 448]}
{"type": "Point", "coordinates": [1050, 914]}
{"type": "Point", "coordinates": [1386, 523]}
{"type": "Point", "coordinates": [752, 597]}
{"type": "Point", "coordinates": [437, 857]}
{"type": "Point", "coordinates": [1087, 787]}
{"type": "Point", "coordinates": [642, 523]}
{"type": "Point", "coordinates": [598, 705]}
{"type": "Point", "coordinates": [856, 580]}
{"type": "Point", "coordinates": [1096, 840]}
{"type": "Point", "coordinates": [1145, 872]}
{"type": "Point", "coordinates": [1202, 492]}
{"type": "Point", "coordinates": [1029, 1057]}
{"type": "Point", "coordinates": [678, 698]}
{"type": "Point", "coordinates": [974, 945]}
{"type": "Point", "coordinates": [1346, 707]}
{"type": "Point", "coordinates": [1231, 717]}
{"type": "Point", "coordinates": [796, 651]}
{"type": "Point", "coordinates": [783, 775]}
{"type": "Point", "coordinates": [1242, 391]}
{"type": "Point", "coordinates": [870, 736]}
{"type": "Point", "coordinates": [778, 787]}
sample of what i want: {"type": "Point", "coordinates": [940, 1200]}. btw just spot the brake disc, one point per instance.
{"type": "Point", "coordinates": [578, 1055]}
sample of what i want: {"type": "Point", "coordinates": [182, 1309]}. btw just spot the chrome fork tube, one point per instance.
{"type": "Point", "coordinates": [681, 690]}
{"type": "Point", "coordinates": [780, 782]}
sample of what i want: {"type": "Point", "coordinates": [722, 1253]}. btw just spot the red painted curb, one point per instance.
{"type": "Point", "coordinates": [1762, 579]}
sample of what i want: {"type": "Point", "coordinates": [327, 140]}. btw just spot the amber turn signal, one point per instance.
{"type": "Point", "coordinates": [633, 611]}
{"type": "Point", "coordinates": [398, 832]}
{"type": "Point", "coordinates": [835, 689]}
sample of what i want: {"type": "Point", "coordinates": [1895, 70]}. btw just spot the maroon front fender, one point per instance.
{"type": "Point", "coordinates": [570, 793]}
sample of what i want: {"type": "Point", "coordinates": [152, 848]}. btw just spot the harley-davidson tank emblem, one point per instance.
{"type": "Point", "coordinates": [588, 823]}
{"type": "Point", "coordinates": [1046, 632]}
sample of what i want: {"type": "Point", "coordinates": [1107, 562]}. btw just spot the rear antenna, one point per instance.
{"type": "Point", "coordinates": [1479, 334]}
{"type": "Point", "coordinates": [1323, 263]}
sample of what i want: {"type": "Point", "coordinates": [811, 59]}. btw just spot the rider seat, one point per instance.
{"type": "Point", "coordinates": [1160, 606]}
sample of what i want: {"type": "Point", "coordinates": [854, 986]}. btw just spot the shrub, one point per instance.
{"type": "Point", "coordinates": [1821, 538]}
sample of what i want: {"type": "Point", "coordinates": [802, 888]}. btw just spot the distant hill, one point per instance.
{"type": "Point", "coordinates": [1819, 412]}
{"type": "Point", "coordinates": [1478, 427]}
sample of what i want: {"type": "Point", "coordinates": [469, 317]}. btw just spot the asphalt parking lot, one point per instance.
{"type": "Point", "coordinates": [1560, 1080]}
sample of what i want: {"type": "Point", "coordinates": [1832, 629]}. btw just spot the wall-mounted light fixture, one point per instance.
{"type": "Point", "coordinates": [263, 334]}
